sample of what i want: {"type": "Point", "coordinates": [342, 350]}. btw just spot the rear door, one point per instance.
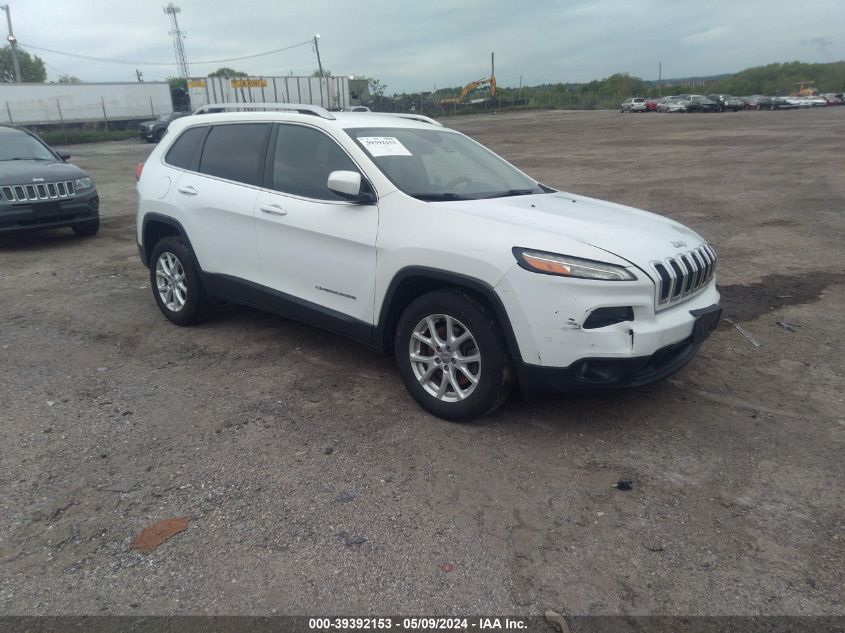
{"type": "Point", "coordinates": [316, 248]}
{"type": "Point", "coordinates": [218, 199]}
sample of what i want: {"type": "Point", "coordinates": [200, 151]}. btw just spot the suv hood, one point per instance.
{"type": "Point", "coordinates": [21, 172]}
{"type": "Point", "coordinates": [632, 234]}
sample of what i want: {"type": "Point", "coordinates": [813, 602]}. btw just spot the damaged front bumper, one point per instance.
{"type": "Point", "coordinates": [561, 348]}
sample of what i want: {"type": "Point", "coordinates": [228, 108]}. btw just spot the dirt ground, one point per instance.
{"type": "Point", "coordinates": [314, 484]}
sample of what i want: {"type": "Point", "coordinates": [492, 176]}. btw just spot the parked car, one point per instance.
{"type": "Point", "coordinates": [797, 102]}
{"type": "Point", "coordinates": [414, 239]}
{"type": "Point", "coordinates": [815, 101]}
{"type": "Point", "coordinates": [762, 102]}
{"type": "Point", "coordinates": [152, 131]}
{"type": "Point", "coordinates": [40, 190]}
{"type": "Point", "coordinates": [699, 103]}
{"type": "Point", "coordinates": [358, 108]}
{"type": "Point", "coordinates": [634, 104]}
{"type": "Point", "coordinates": [727, 102]}
{"type": "Point", "coordinates": [651, 105]}
{"type": "Point", "coordinates": [833, 98]}
{"type": "Point", "coordinates": [672, 104]}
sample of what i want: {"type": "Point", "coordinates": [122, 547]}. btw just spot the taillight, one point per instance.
{"type": "Point", "coordinates": [138, 171]}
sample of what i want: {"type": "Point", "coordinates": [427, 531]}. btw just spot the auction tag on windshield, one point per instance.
{"type": "Point", "coordinates": [384, 146]}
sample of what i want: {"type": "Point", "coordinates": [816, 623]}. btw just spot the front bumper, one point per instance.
{"type": "Point", "coordinates": [145, 134]}
{"type": "Point", "coordinates": [553, 324]}
{"type": "Point", "coordinates": [32, 216]}
{"type": "Point", "coordinates": [591, 375]}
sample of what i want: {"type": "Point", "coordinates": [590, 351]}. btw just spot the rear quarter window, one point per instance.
{"type": "Point", "coordinates": [182, 152]}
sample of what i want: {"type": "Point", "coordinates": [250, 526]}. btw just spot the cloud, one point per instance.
{"type": "Point", "coordinates": [414, 46]}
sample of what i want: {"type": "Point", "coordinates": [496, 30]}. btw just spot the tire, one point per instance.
{"type": "Point", "coordinates": [176, 284]}
{"type": "Point", "coordinates": [87, 228]}
{"type": "Point", "coordinates": [157, 136]}
{"type": "Point", "coordinates": [460, 399]}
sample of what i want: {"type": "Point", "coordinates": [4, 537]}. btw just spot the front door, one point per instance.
{"type": "Point", "coordinates": [313, 246]}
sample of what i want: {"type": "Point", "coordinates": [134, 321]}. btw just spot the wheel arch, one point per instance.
{"type": "Point", "coordinates": [154, 228]}
{"type": "Point", "coordinates": [414, 281]}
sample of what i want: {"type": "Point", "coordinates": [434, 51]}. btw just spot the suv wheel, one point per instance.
{"type": "Point", "coordinates": [176, 284]}
{"type": "Point", "coordinates": [451, 356]}
{"type": "Point", "coordinates": [87, 228]}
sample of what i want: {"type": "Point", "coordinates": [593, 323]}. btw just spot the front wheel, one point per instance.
{"type": "Point", "coordinates": [452, 357]}
{"type": "Point", "coordinates": [176, 283]}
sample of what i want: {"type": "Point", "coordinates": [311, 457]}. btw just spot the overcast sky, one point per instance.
{"type": "Point", "coordinates": [417, 45]}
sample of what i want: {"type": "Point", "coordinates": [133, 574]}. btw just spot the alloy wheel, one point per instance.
{"type": "Point", "coordinates": [445, 358]}
{"type": "Point", "coordinates": [170, 281]}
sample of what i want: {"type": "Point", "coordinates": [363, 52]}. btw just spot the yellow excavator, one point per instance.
{"type": "Point", "coordinates": [489, 82]}
{"type": "Point", "coordinates": [806, 89]}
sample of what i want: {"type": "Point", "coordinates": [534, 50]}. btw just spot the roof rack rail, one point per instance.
{"type": "Point", "coordinates": [414, 117]}
{"type": "Point", "coordinates": [302, 108]}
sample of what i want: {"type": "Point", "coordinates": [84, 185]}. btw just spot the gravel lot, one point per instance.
{"type": "Point", "coordinates": [315, 485]}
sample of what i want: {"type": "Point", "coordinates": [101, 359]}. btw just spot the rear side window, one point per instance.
{"type": "Point", "coordinates": [303, 160]}
{"type": "Point", "coordinates": [235, 152]}
{"type": "Point", "coordinates": [183, 150]}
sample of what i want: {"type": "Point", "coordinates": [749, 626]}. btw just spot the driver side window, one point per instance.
{"type": "Point", "coordinates": [302, 161]}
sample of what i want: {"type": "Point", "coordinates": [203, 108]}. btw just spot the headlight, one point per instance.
{"type": "Point", "coordinates": [566, 266]}
{"type": "Point", "coordinates": [82, 183]}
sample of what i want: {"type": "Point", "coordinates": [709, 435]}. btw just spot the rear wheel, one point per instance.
{"type": "Point", "coordinates": [87, 228]}
{"type": "Point", "coordinates": [176, 283]}
{"type": "Point", "coordinates": [451, 355]}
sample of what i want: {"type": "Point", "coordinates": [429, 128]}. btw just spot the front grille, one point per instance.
{"type": "Point", "coordinates": [40, 191]}
{"type": "Point", "coordinates": [684, 275]}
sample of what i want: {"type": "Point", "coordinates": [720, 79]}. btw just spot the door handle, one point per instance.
{"type": "Point", "coordinates": [272, 209]}
{"type": "Point", "coordinates": [188, 190]}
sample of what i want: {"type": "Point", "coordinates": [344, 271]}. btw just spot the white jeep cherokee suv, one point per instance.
{"type": "Point", "coordinates": [414, 239]}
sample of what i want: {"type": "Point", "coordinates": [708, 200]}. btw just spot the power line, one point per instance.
{"type": "Point", "coordinates": [139, 63]}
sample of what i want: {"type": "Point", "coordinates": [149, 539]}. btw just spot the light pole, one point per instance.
{"type": "Point", "coordinates": [317, 48]}
{"type": "Point", "coordinates": [13, 43]}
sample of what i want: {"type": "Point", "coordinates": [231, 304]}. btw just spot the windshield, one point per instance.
{"type": "Point", "coordinates": [164, 117]}
{"type": "Point", "coordinates": [21, 146]}
{"type": "Point", "coordinates": [438, 165]}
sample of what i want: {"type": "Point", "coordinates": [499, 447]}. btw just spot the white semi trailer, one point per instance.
{"type": "Point", "coordinates": [38, 104]}
{"type": "Point", "coordinates": [329, 92]}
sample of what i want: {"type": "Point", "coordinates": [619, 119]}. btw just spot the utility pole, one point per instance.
{"type": "Point", "coordinates": [660, 79]}
{"type": "Point", "coordinates": [13, 43]}
{"type": "Point", "coordinates": [317, 48]}
{"type": "Point", "coordinates": [139, 75]}
{"type": "Point", "coordinates": [178, 46]}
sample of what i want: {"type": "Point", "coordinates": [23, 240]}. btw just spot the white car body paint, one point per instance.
{"type": "Point", "coordinates": [344, 256]}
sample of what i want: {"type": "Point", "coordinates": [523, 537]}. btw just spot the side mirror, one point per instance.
{"type": "Point", "coordinates": [348, 185]}
{"type": "Point", "coordinates": [64, 155]}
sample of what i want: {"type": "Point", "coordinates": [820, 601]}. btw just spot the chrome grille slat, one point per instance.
{"type": "Point", "coordinates": [680, 277]}
{"type": "Point", "coordinates": [36, 192]}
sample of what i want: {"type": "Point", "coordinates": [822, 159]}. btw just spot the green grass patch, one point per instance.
{"type": "Point", "coordinates": [73, 137]}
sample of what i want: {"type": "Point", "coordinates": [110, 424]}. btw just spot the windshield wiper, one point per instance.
{"type": "Point", "coordinates": [439, 197]}
{"type": "Point", "coordinates": [513, 192]}
{"type": "Point", "coordinates": [26, 158]}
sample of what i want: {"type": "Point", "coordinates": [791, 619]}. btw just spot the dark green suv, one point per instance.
{"type": "Point", "coordinates": [39, 190]}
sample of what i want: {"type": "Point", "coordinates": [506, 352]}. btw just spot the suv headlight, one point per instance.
{"type": "Point", "coordinates": [567, 266]}
{"type": "Point", "coordinates": [83, 183]}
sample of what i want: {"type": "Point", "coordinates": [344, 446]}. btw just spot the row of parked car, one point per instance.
{"type": "Point", "coordinates": [722, 102]}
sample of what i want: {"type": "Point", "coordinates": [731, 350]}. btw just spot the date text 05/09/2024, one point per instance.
{"type": "Point", "coordinates": [417, 624]}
